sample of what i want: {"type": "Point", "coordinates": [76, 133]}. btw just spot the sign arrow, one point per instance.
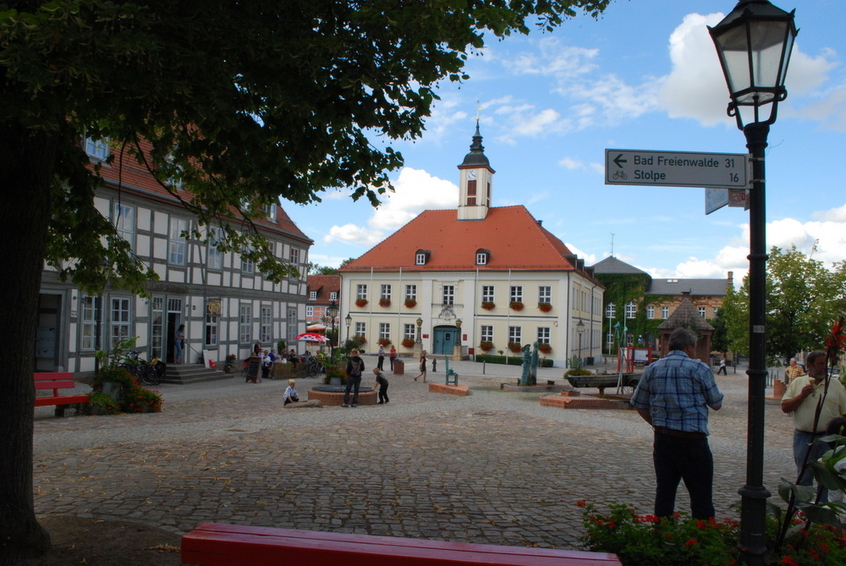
{"type": "Point", "coordinates": [617, 160]}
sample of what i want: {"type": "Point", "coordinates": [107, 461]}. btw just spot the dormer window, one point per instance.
{"type": "Point", "coordinates": [271, 212]}
{"type": "Point", "coordinates": [312, 295]}
{"type": "Point", "coordinates": [421, 257]}
{"type": "Point", "coordinates": [483, 256]}
{"type": "Point", "coordinates": [97, 150]}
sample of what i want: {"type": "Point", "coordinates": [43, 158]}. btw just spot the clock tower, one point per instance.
{"type": "Point", "coordinates": [476, 176]}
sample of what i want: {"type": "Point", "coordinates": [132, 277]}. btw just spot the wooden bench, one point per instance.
{"type": "Point", "coordinates": [56, 381]}
{"type": "Point", "coordinates": [450, 373]}
{"type": "Point", "coordinates": [217, 544]}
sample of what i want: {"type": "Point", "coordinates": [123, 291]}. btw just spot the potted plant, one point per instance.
{"type": "Point", "coordinates": [516, 305]}
{"type": "Point", "coordinates": [544, 348]}
{"type": "Point", "coordinates": [361, 302]}
{"type": "Point", "coordinates": [544, 307]}
{"type": "Point", "coordinates": [515, 347]}
{"type": "Point", "coordinates": [408, 343]}
{"type": "Point", "coordinates": [410, 303]}
{"type": "Point", "coordinates": [384, 302]}
{"type": "Point", "coordinates": [383, 342]}
{"type": "Point", "coordinates": [488, 305]}
{"type": "Point", "coordinates": [486, 346]}
{"type": "Point", "coordinates": [359, 341]}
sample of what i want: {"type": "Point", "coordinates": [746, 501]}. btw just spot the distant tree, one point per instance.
{"type": "Point", "coordinates": [240, 103]}
{"type": "Point", "coordinates": [317, 269]}
{"type": "Point", "coordinates": [804, 298]}
{"type": "Point", "coordinates": [719, 340]}
{"type": "Point", "coordinates": [345, 262]}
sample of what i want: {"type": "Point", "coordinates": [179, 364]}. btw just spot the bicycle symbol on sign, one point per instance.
{"type": "Point", "coordinates": [619, 176]}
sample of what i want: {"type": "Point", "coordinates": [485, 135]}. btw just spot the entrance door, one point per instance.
{"type": "Point", "coordinates": [47, 333]}
{"type": "Point", "coordinates": [446, 337]}
{"type": "Point", "coordinates": [174, 319]}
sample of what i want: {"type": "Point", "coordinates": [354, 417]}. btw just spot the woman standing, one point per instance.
{"type": "Point", "coordinates": [422, 366]}
{"type": "Point", "coordinates": [392, 355]}
{"type": "Point", "coordinates": [178, 344]}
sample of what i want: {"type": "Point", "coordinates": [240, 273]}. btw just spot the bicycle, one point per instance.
{"type": "Point", "coordinates": [148, 373]}
{"type": "Point", "coordinates": [312, 368]}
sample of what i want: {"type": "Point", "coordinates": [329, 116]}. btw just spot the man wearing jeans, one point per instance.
{"type": "Point", "coordinates": [673, 396]}
{"type": "Point", "coordinates": [803, 397]}
{"type": "Point", "coordinates": [355, 366]}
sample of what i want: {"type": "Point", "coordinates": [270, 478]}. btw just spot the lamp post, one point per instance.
{"type": "Point", "coordinates": [580, 329]}
{"type": "Point", "coordinates": [754, 43]}
{"type": "Point", "coordinates": [348, 320]}
{"type": "Point", "coordinates": [418, 344]}
{"type": "Point", "coordinates": [332, 311]}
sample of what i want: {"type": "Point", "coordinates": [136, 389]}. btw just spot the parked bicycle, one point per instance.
{"type": "Point", "coordinates": [312, 368]}
{"type": "Point", "coordinates": [148, 373]}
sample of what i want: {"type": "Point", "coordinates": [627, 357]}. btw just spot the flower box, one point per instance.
{"type": "Point", "coordinates": [544, 307]}
{"type": "Point", "coordinates": [361, 302]}
{"type": "Point", "coordinates": [544, 348]}
{"type": "Point", "coordinates": [384, 302]}
{"type": "Point", "coordinates": [516, 306]}
{"type": "Point", "coordinates": [384, 342]}
{"type": "Point", "coordinates": [408, 343]}
{"type": "Point", "coordinates": [515, 347]}
{"type": "Point", "coordinates": [486, 346]}
{"type": "Point", "coordinates": [488, 305]}
{"type": "Point", "coordinates": [410, 303]}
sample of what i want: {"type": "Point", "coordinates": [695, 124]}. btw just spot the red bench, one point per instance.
{"type": "Point", "coordinates": [56, 381]}
{"type": "Point", "coordinates": [216, 544]}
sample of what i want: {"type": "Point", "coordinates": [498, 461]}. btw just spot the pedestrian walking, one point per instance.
{"type": "Point", "coordinates": [422, 366]}
{"type": "Point", "coordinates": [355, 366]}
{"type": "Point", "coordinates": [722, 369]}
{"type": "Point", "coordinates": [673, 396]}
{"type": "Point", "coordinates": [814, 399]}
{"type": "Point", "coordinates": [382, 383]}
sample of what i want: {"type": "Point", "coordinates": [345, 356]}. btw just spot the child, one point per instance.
{"type": "Point", "coordinates": [291, 393]}
{"type": "Point", "coordinates": [382, 382]}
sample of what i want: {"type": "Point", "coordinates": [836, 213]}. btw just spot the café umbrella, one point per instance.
{"type": "Point", "coordinates": [311, 337]}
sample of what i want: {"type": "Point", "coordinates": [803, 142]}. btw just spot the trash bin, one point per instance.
{"type": "Point", "coordinates": [399, 367]}
{"type": "Point", "coordinates": [590, 360]}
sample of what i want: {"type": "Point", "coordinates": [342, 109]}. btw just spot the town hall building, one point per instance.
{"type": "Point", "coordinates": [472, 280]}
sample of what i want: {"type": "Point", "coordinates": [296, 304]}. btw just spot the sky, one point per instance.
{"type": "Point", "coordinates": [643, 76]}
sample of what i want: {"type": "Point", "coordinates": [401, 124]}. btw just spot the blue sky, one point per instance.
{"type": "Point", "coordinates": [644, 76]}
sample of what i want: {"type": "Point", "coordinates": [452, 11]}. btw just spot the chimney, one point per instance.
{"type": "Point", "coordinates": [731, 277]}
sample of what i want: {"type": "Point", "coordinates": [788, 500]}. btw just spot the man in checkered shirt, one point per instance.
{"type": "Point", "coordinates": [673, 396]}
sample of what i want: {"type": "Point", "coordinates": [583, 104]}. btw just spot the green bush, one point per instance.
{"type": "Point", "coordinates": [510, 360]}
{"type": "Point", "coordinates": [684, 541]}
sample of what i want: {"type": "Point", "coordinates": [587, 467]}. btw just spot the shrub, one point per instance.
{"type": "Point", "coordinates": [510, 360]}
{"type": "Point", "coordinates": [644, 539]}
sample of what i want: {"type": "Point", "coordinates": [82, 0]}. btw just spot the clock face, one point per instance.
{"type": "Point", "coordinates": [471, 175]}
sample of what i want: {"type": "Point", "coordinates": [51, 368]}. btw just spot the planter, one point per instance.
{"type": "Point", "coordinates": [486, 346]}
{"type": "Point", "coordinates": [545, 348]}
{"type": "Point", "coordinates": [410, 303]}
{"type": "Point", "coordinates": [334, 381]}
{"type": "Point", "coordinates": [361, 302]}
{"type": "Point", "coordinates": [516, 306]}
{"type": "Point", "coordinates": [544, 307]}
{"type": "Point", "coordinates": [515, 348]}
{"type": "Point", "coordinates": [408, 343]}
{"type": "Point", "coordinates": [488, 305]}
{"type": "Point", "coordinates": [384, 302]}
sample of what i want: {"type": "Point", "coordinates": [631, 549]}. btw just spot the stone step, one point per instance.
{"type": "Point", "coordinates": [186, 374]}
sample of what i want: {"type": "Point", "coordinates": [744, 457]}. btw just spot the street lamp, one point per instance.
{"type": "Point", "coordinates": [418, 344]}
{"type": "Point", "coordinates": [754, 43]}
{"type": "Point", "coordinates": [332, 311]}
{"type": "Point", "coordinates": [580, 328]}
{"type": "Point", "coordinates": [348, 320]}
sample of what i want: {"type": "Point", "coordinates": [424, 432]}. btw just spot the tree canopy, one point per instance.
{"type": "Point", "coordinates": [804, 298]}
{"type": "Point", "coordinates": [241, 103]}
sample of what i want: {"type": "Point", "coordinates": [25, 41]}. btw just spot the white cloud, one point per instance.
{"type": "Point", "coordinates": [569, 163]}
{"type": "Point", "coordinates": [696, 87]}
{"type": "Point", "coordinates": [415, 191]}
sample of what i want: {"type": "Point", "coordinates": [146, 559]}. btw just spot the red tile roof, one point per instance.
{"type": "Point", "coordinates": [134, 177]}
{"type": "Point", "coordinates": [324, 285]}
{"type": "Point", "coordinates": [512, 235]}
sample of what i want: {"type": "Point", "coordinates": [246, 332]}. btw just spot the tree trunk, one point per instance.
{"type": "Point", "coordinates": [26, 170]}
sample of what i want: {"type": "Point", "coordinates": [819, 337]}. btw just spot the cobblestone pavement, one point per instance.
{"type": "Point", "coordinates": [494, 467]}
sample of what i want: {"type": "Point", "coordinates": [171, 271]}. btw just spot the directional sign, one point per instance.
{"type": "Point", "coordinates": [677, 169]}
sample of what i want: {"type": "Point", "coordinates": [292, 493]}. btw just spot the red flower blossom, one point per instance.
{"type": "Point", "coordinates": [581, 503]}
{"type": "Point", "coordinates": [789, 560]}
{"type": "Point", "coordinates": [691, 542]}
